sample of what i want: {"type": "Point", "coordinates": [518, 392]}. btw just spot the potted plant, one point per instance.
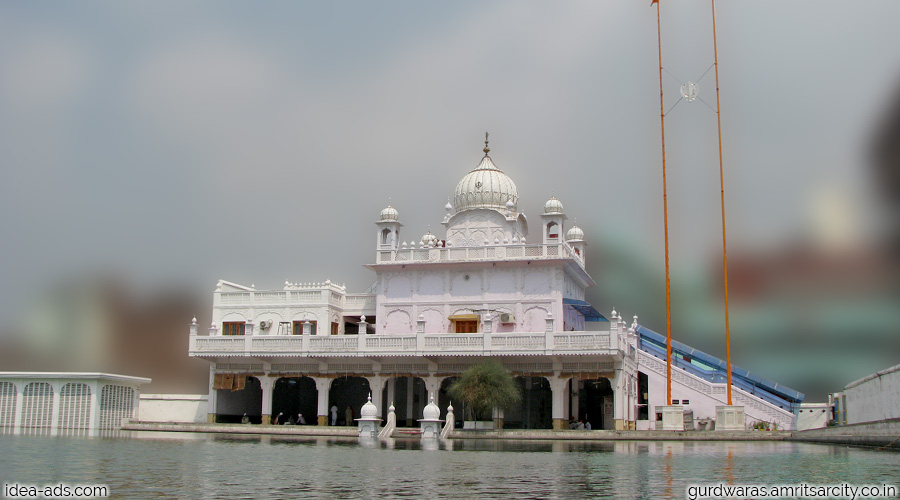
{"type": "Point", "coordinates": [484, 387]}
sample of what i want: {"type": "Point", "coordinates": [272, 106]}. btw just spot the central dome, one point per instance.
{"type": "Point", "coordinates": [485, 187]}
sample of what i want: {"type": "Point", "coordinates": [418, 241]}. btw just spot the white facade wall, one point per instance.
{"type": "Point", "coordinates": [813, 416]}
{"type": "Point", "coordinates": [874, 398]}
{"type": "Point", "coordinates": [182, 408]}
{"type": "Point", "coordinates": [529, 293]}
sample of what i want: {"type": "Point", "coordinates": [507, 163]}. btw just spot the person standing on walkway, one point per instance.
{"type": "Point", "coordinates": [333, 415]}
{"type": "Point", "coordinates": [348, 415]}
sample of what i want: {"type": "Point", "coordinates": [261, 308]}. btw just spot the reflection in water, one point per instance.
{"type": "Point", "coordinates": [183, 465]}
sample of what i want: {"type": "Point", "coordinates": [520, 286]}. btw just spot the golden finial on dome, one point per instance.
{"type": "Point", "coordinates": [486, 148]}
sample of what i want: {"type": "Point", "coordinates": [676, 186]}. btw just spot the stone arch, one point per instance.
{"type": "Point", "coordinates": [535, 319]}
{"type": "Point", "coordinates": [347, 391]}
{"type": "Point", "coordinates": [234, 317]}
{"type": "Point", "coordinates": [536, 408]}
{"type": "Point", "coordinates": [74, 408]}
{"type": "Point", "coordinates": [409, 399]}
{"type": "Point", "coordinates": [553, 230]}
{"type": "Point", "coordinates": [434, 320]}
{"type": "Point", "coordinates": [398, 321]}
{"type": "Point", "coordinates": [292, 396]}
{"type": "Point", "coordinates": [595, 402]}
{"type": "Point", "coordinates": [232, 405]}
{"type": "Point", "coordinates": [8, 394]}
{"type": "Point", "coordinates": [37, 408]}
{"type": "Point", "coordinates": [273, 319]}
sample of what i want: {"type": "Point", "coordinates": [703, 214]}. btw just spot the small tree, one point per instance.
{"type": "Point", "coordinates": [486, 386]}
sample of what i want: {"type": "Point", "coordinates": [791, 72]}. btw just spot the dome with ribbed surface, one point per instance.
{"type": "Point", "coordinates": [431, 411]}
{"type": "Point", "coordinates": [553, 206]}
{"type": "Point", "coordinates": [389, 214]}
{"type": "Point", "coordinates": [575, 234]}
{"type": "Point", "coordinates": [485, 187]}
{"type": "Point", "coordinates": [368, 410]}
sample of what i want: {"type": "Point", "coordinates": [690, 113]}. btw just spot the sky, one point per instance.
{"type": "Point", "coordinates": [172, 144]}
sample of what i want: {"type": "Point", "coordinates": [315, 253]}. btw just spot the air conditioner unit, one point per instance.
{"type": "Point", "coordinates": [265, 324]}
{"type": "Point", "coordinates": [507, 318]}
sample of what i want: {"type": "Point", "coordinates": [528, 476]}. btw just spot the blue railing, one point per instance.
{"type": "Point", "coordinates": [769, 391]}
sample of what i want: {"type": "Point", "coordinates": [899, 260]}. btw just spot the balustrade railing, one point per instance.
{"type": "Point", "coordinates": [486, 344]}
{"type": "Point", "coordinates": [487, 252]}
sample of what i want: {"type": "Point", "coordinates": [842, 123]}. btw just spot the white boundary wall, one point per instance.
{"type": "Point", "coordinates": [874, 398]}
{"type": "Point", "coordinates": [181, 408]}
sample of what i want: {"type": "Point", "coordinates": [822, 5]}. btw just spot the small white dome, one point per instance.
{"type": "Point", "coordinates": [389, 214]}
{"type": "Point", "coordinates": [368, 410]}
{"type": "Point", "coordinates": [431, 412]}
{"type": "Point", "coordinates": [429, 239]}
{"type": "Point", "coordinates": [448, 207]}
{"type": "Point", "coordinates": [553, 206]}
{"type": "Point", "coordinates": [575, 234]}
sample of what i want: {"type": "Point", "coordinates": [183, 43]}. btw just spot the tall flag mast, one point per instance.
{"type": "Point", "coordinates": [722, 190]}
{"type": "Point", "coordinates": [662, 124]}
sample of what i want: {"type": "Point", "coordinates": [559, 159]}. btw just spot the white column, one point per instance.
{"type": "Point", "coordinates": [376, 386]}
{"type": "Point", "coordinates": [213, 394]}
{"type": "Point", "coordinates": [620, 400]}
{"type": "Point", "coordinates": [54, 410]}
{"type": "Point", "coordinates": [322, 385]}
{"type": "Point", "coordinates": [560, 388]}
{"type": "Point", "coordinates": [266, 383]}
{"type": "Point", "coordinates": [94, 419]}
{"type": "Point", "coordinates": [432, 386]}
{"type": "Point", "coordinates": [17, 419]}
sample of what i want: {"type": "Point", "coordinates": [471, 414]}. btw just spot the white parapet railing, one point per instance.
{"type": "Point", "coordinates": [422, 344]}
{"type": "Point", "coordinates": [487, 252]}
{"type": "Point", "coordinates": [353, 304]}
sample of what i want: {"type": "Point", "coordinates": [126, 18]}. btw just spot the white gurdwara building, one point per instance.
{"type": "Point", "coordinates": [486, 288]}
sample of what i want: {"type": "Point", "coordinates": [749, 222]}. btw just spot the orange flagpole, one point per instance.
{"type": "Point", "coordinates": [722, 191]}
{"type": "Point", "coordinates": [662, 124]}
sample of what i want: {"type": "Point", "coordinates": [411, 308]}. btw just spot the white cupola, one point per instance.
{"type": "Point", "coordinates": [575, 239]}
{"type": "Point", "coordinates": [429, 240]}
{"type": "Point", "coordinates": [388, 229]}
{"type": "Point", "coordinates": [553, 220]}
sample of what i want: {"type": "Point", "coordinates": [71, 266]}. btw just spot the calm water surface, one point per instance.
{"type": "Point", "coordinates": [163, 465]}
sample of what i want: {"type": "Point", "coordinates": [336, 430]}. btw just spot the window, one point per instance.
{"type": "Point", "coordinates": [466, 326]}
{"type": "Point", "coordinates": [334, 328]}
{"type": "Point", "coordinates": [386, 237]}
{"type": "Point", "coordinates": [233, 328]}
{"type": "Point", "coordinates": [552, 231]}
{"type": "Point", "coordinates": [298, 328]}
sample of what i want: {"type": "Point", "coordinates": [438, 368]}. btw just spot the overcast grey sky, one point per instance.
{"type": "Point", "coordinates": [183, 142]}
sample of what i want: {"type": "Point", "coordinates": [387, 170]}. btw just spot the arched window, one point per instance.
{"type": "Point", "coordinates": [386, 236]}
{"type": "Point", "coordinates": [552, 231]}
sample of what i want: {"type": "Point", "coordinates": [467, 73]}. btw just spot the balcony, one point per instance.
{"type": "Point", "coordinates": [483, 253]}
{"type": "Point", "coordinates": [423, 344]}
